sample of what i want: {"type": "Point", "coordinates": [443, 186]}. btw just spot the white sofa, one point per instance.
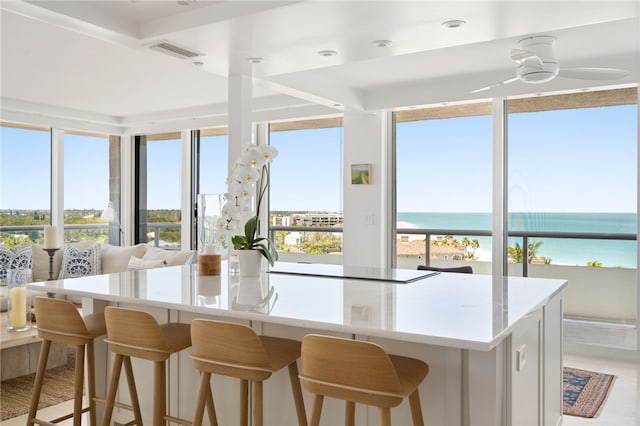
{"type": "Point", "coordinates": [109, 259]}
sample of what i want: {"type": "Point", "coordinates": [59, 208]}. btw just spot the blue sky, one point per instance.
{"type": "Point", "coordinates": [567, 160]}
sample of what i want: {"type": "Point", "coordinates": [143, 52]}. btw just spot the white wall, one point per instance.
{"type": "Point", "coordinates": [365, 206]}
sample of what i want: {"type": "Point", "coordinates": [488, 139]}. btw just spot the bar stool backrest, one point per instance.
{"type": "Point", "coordinates": [349, 369]}
{"type": "Point", "coordinates": [229, 349]}
{"type": "Point", "coordinates": [60, 320]}
{"type": "Point", "coordinates": [135, 333]}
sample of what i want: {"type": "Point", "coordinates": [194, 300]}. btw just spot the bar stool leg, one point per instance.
{"type": "Point", "coordinates": [416, 409]}
{"type": "Point", "coordinates": [78, 386]}
{"type": "Point", "coordinates": [349, 413]}
{"type": "Point", "coordinates": [211, 409]}
{"type": "Point", "coordinates": [244, 402]}
{"type": "Point", "coordinates": [133, 393]}
{"type": "Point", "coordinates": [91, 383]}
{"type": "Point", "coordinates": [113, 388]}
{"type": "Point", "coordinates": [204, 397]}
{"type": "Point", "coordinates": [296, 389]}
{"type": "Point", "coordinates": [256, 402]}
{"type": "Point", "coordinates": [37, 385]}
{"type": "Point", "coordinates": [385, 416]}
{"type": "Point", "coordinates": [316, 410]}
{"type": "Point", "coordinates": [159, 395]}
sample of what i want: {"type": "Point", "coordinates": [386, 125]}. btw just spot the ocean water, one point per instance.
{"type": "Point", "coordinates": [611, 253]}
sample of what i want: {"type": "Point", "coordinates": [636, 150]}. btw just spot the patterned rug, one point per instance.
{"type": "Point", "coordinates": [15, 394]}
{"type": "Point", "coordinates": [584, 391]}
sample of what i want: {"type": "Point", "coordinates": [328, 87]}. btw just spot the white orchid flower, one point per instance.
{"type": "Point", "coordinates": [253, 156]}
{"type": "Point", "coordinates": [247, 175]}
{"type": "Point", "coordinates": [269, 153]}
{"type": "Point", "coordinates": [229, 210]}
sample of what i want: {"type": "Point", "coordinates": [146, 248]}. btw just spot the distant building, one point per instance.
{"type": "Point", "coordinates": [281, 220]}
{"type": "Point", "coordinates": [317, 219]}
{"type": "Point", "coordinates": [417, 249]}
{"type": "Point", "coordinates": [293, 238]}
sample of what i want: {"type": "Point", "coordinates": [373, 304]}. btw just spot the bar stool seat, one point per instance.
{"type": "Point", "coordinates": [235, 350]}
{"type": "Point", "coordinates": [60, 321]}
{"type": "Point", "coordinates": [132, 333]}
{"type": "Point", "coordinates": [360, 372]}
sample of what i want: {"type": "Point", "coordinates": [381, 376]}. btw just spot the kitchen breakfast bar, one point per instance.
{"type": "Point", "coordinates": [493, 345]}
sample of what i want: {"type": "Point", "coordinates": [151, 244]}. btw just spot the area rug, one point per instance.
{"type": "Point", "coordinates": [584, 391]}
{"type": "Point", "coordinates": [15, 394]}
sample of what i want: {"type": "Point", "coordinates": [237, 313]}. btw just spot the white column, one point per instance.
{"type": "Point", "coordinates": [365, 205]}
{"type": "Point", "coordinates": [127, 188]}
{"type": "Point", "coordinates": [57, 182]}
{"type": "Point", "coordinates": [185, 198]}
{"type": "Point", "coordinates": [240, 127]}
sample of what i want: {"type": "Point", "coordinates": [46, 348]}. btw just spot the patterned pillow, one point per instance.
{"type": "Point", "coordinates": [80, 260]}
{"type": "Point", "coordinates": [19, 258]}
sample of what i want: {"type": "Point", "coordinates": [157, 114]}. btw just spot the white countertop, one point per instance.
{"type": "Point", "coordinates": [453, 310]}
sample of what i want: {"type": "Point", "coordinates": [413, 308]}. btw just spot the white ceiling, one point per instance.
{"type": "Point", "coordinates": [85, 63]}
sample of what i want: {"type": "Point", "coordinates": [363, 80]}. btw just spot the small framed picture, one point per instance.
{"type": "Point", "coordinates": [361, 174]}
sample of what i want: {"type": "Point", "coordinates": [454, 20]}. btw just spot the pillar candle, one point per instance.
{"type": "Point", "coordinates": [18, 307]}
{"type": "Point", "coordinates": [50, 237]}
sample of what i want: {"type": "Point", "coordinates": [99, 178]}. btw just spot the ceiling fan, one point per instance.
{"type": "Point", "coordinates": [536, 63]}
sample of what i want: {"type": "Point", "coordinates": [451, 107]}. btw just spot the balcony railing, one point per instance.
{"type": "Point", "coordinates": [524, 235]}
{"type": "Point", "coordinates": [99, 227]}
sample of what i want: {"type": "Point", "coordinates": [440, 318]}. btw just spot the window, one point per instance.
{"type": "Point", "coordinates": [25, 183]}
{"type": "Point", "coordinates": [443, 184]}
{"type": "Point", "coordinates": [159, 177]}
{"type": "Point", "coordinates": [573, 169]}
{"type": "Point", "coordinates": [306, 189]}
{"type": "Point", "coordinates": [213, 160]}
{"type": "Point", "coordinates": [86, 187]}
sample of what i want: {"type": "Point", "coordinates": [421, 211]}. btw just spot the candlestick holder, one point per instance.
{"type": "Point", "coordinates": [51, 252]}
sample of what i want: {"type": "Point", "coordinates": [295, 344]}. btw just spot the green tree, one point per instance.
{"type": "Point", "coordinates": [594, 264]}
{"type": "Point", "coordinates": [515, 253]}
{"type": "Point", "coordinates": [321, 243]}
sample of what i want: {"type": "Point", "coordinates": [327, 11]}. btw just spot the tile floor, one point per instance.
{"type": "Point", "coordinates": [622, 407]}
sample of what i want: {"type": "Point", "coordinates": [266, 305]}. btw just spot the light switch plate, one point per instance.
{"type": "Point", "coordinates": [521, 357]}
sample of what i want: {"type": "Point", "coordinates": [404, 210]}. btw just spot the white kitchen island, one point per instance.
{"type": "Point", "coordinates": [494, 348]}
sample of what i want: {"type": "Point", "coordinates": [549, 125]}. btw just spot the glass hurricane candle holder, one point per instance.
{"type": "Point", "coordinates": [19, 303]}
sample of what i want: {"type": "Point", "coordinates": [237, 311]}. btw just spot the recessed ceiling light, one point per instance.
{"type": "Point", "coordinates": [382, 43]}
{"type": "Point", "coordinates": [255, 60]}
{"type": "Point", "coordinates": [327, 53]}
{"type": "Point", "coordinates": [454, 23]}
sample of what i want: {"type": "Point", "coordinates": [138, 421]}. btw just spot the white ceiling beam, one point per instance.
{"type": "Point", "coordinates": [218, 12]}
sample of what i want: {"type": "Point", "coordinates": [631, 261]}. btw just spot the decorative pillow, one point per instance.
{"type": "Point", "coordinates": [135, 263]}
{"type": "Point", "coordinates": [80, 260]}
{"type": "Point", "coordinates": [116, 258]}
{"type": "Point", "coordinates": [172, 257]}
{"type": "Point", "coordinates": [19, 258]}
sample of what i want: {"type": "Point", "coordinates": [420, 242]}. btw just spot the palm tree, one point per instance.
{"type": "Point", "coordinates": [515, 253]}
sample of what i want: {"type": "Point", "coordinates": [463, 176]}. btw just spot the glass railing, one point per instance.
{"type": "Point", "coordinates": [595, 292]}
{"type": "Point", "coordinates": [14, 236]}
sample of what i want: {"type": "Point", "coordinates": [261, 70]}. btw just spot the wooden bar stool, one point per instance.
{"type": "Point", "coordinates": [360, 372]}
{"type": "Point", "coordinates": [235, 350]}
{"type": "Point", "coordinates": [137, 334]}
{"type": "Point", "coordinates": [60, 321]}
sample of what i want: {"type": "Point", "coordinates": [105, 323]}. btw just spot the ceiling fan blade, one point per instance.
{"type": "Point", "coordinates": [519, 56]}
{"type": "Point", "coordinates": [591, 73]}
{"type": "Point", "coordinates": [491, 86]}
